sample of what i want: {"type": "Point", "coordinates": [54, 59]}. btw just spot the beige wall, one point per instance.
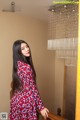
{"type": "Point", "coordinates": [13, 27]}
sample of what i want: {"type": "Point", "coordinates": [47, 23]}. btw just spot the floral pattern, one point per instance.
{"type": "Point", "coordinates": [25, 103]}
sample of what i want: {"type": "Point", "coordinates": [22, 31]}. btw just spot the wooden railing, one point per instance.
{"type": "Point", "coordinates": [54, 117]}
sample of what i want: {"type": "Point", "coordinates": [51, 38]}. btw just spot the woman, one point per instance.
{"type": "Point", "coordinates": [25, 101]}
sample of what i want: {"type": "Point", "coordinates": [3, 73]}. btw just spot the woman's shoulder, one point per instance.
{"type": "Point", "coordinates": [22, 64]}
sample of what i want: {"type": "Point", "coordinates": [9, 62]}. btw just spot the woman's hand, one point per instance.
{"type": "Point", "coordinates": [44, 113]}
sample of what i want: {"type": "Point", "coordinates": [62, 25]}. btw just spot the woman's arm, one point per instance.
{"type": "Point", "coordinates": [28, 75]}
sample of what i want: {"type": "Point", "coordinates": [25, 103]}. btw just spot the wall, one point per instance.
{"type": "Point", "coordinates": [14, 26]}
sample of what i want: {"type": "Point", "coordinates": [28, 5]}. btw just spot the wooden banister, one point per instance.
{"type": "Point", "coordinates": [51, 116]}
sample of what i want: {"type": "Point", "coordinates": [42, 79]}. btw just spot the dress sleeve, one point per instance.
{"type": "Point", "coordinates": [37, 97]}
{"type": "Point", "coordinates": [33, 87]}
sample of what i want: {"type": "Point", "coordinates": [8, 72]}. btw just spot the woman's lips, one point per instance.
{"type": "Point", "coordinates": [27, 52]}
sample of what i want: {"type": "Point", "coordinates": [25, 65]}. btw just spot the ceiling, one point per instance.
{"type": "Point", "coordinates": [34, 8]}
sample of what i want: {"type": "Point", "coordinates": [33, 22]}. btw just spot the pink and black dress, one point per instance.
{"type": "Point", "coordinates": [25, 103]}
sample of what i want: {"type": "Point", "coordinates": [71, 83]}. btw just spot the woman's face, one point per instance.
{"type": "Point", "coordinates": [25, 49]}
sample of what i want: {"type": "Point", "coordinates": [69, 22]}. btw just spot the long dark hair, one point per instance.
{"type": "Point", "coordinates": [18, 56]}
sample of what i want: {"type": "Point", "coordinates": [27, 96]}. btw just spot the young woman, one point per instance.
{"type": "Point", "coordinates": [25, 101]}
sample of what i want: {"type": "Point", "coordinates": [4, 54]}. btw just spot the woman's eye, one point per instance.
{"type": "Point", "coordinates": [22, 48]}
{"type": "Point", "coordinates": [26, 46]}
